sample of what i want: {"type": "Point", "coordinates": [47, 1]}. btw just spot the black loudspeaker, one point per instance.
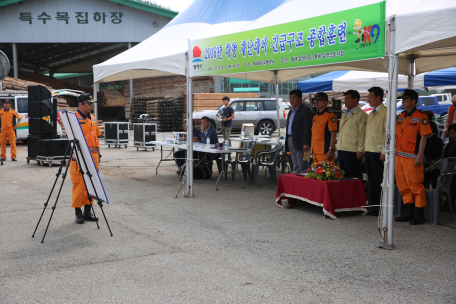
{"type": "Point", "coordinates": [46, 147]}
{"type": "Point", "coordinates": [42, 105]}
{"type": "Point", "coordinates": [39, 127]}
{"type": "Point", "coordinates": [39, 109]}
{"type": "Point", "coordinates": [38, 93]}
{"type": "Point", "coordinates": [337, 105]}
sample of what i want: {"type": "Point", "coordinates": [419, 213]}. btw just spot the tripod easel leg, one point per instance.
{"type": "Point", "coordinates": [100, 203]}
{"type": "Point", "coordinates": [53, 187]}
{"type": "Point", "coordinates": [93, 210]}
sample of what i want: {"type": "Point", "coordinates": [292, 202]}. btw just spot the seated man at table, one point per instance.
{"type": "Point", "coordinates": [208, 131]}
{"type": "Point", "coordinates": [181, 155]}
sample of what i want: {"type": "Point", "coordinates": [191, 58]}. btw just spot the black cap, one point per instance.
{"type": "Point", "coordinates": [321, 95]}
{"type": "Point", "coordinates": [86, 97]}
{"type": "Point", "coordinates": [409, 93]}
{"type": "Point", "coordinates": [7, 101]}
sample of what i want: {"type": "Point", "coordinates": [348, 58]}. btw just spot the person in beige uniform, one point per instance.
{"type": "Point", "coordinates": [373, 156]}
{"type": "Point", "coordinates": [350, 142]}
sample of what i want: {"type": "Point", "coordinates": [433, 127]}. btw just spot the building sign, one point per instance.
{"type": "Point", "coordinates": [351, 35]}
{"type": "Point", "coordinates": [71, 21]}
{"type": "Point", "coordinates": [66, 18]}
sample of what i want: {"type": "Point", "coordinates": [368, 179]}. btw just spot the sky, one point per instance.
{"type": "Point", "coordinates": [175, 5]}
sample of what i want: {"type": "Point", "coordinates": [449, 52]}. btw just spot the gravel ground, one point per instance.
{"type": "Point", "coordinates": [233, 245]}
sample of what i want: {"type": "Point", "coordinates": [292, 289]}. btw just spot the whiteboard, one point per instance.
{"type": "Point", "coordinates": [74, 131]}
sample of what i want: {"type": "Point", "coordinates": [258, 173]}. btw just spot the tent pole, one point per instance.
{"type": "Point", "coordinates": [131, 92]}
{"type": "Point", "coordinates": [276, 82]}
{"type": "Point", "coordinates": [411, 73]}
{"type": "Point", "coordinates": [189, 165]}
{"type": "Point", "coordinates": [95, 93]}
{"type": "Point", "coordinates": [393, 74]}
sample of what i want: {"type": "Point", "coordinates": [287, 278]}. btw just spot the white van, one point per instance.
{"type": "Point", "coordinates": [20, 104]}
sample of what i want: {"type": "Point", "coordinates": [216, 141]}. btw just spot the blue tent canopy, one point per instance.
{"type": "Point", "coordinates": [341, 81]}
{"type": "Point", "coordinates": [444, 77]}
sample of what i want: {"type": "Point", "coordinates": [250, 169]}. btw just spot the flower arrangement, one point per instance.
{"type": "Point", "coordinates": [325, 171]}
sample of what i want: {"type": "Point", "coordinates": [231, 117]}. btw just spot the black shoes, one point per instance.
{"type": "Point", "coordinates": [412, 214]}
{"type": "Point", "coordinates": [2, 159]}
{"type": "Point", "coordinates": [408, 215]}
{"type": "Point", "coordinates": [419, 217]}
{"type": "Point", "coordinates": [79, 216]}
{"type": "Point", "coordinates": [88, 216]}
{"type": "Point", "coordinates": [13, 159]}
{"type": "Point", "coordinates": [179, 172]}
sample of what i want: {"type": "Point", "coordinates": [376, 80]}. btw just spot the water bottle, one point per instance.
{"type": "Point", "coordinates": [208, 142]}
{"type": "Point", "coordinates": [163, 137]}
{"type": "Point", "coordinates": [242, 134]}
{"type": "Point", "coordinates": [226, 144]}
{"type": "Point", "coordinates": [259, 136]}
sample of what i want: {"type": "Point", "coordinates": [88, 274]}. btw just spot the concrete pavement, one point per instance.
{"type": "Point", "coordinates": [227, 246]}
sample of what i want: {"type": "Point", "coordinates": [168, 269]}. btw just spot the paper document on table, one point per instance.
{"type": "Point", "coordinates": [306, 156]}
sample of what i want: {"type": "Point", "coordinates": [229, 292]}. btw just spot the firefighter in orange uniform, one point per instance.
{"type": "Point", "coordinates": [91, 132]}
{"type": "Point", "coordinates": [412, 130]}
{"type": "Point", "coordinates": [7, 129]}
{"type": "Point", "coordinates": [324, 129]}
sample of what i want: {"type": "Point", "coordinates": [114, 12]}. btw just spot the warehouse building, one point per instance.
{"type": "Point", "coordinates": [70, 36]}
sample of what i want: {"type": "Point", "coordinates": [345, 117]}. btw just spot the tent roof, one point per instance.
{"type": "Point", "coordinates": [163, 54]}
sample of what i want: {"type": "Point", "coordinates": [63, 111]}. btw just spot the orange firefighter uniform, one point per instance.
{"type": "Point", "coordinates": [323, 123]}
{"type": "Point", "coordinates": [7, 118]}
{"type": "Point", "coordinates": [409, 178]}
{"type": "Point", "coordinates": [91, 132]}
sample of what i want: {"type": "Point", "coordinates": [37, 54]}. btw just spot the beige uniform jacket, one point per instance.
{"type": "Point", "coordinates": [376, 130]}
{"type": "Point", "coordinates": [352, 131]}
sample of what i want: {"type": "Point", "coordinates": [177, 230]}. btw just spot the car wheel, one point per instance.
{"type": "Point", "coordinates": [265, 127]}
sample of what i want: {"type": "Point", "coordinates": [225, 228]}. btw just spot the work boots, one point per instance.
{"type": "Point", "coordinates": [419, 217]}
{"type": "Point", "coordinates": [408, 215]}
{"type": "Point", "coordinates": [79, 216]}
{"type": "Point", "coordinates": [88, 216]}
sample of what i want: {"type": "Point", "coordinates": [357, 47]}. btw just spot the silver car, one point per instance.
{"type": "Point", "coordinates": [261, 112]}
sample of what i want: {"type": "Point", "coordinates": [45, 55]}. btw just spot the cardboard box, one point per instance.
{"type": "Point", "coordinates": [248, 129]}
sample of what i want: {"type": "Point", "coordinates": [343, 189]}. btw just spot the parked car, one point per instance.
{"type": "Point", "coordinates": [444, 97]}
{"type": "Point", "coordinates": [261, 112]}
{"type": "Point", "coordinates": [428, 103]}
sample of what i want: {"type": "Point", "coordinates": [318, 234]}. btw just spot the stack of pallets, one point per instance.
{"type": "Point", "coordinates": [169, 113]}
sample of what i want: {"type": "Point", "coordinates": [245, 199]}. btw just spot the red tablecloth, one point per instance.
{"type": "Point", "coordinates": [335, 196]}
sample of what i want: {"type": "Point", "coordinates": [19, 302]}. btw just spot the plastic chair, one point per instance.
{"type": "Point", "coordinates": [283, 162]}
{"type": "Point", "coordinates": [266, 159]}
{"type": "Point", "coordinates": [447, 169]}
{"type": "Point", "coordinates": [246, 160]}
